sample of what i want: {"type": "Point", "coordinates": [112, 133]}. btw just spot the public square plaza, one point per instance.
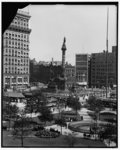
{"type": "Point", "coordinates": [59, 75]}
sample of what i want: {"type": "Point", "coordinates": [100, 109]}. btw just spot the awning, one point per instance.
{"type": "Point", "coordinates": [14, 95]}
{"type": "Point", "coordinates": [28, 94]}
{"type": "Point", "coordinates": [82, 83]}
{"type": "Point", "coordinates": [108, 112]}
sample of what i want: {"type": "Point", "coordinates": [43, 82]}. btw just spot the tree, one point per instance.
{"type": "Point", "coordinates": [11, 111]}
{"type": "Point", "coordinates": [14, 110]}
{"type": "Point", "coordinates": [73, 102]}
{"type": "Point", "coordinates": [30, 105]}
{"type": "Point", "coordinates": [72, 89]}
{"type": "Point", "coordinates": [95, 105]}
{"type": "Point", "coordinates": [41, 100]}
{"type": "Point", "coordinates": [110, 133]}
{"type": "Point", "coordinates": [61, 122]}
{"type": "Point", "coordinates": [45, 114]}
{"type": "Point", "coordinates": [21, 127]}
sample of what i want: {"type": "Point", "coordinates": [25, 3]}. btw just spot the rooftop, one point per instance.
{"type": "Point", "coordinates": [23, 13]}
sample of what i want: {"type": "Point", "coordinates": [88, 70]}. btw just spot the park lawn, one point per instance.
{"type": "Point", "coordinates": [47, 142]}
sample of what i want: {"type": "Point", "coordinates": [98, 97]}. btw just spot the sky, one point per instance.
{"type": "Point", "coordinates": [84, 27]}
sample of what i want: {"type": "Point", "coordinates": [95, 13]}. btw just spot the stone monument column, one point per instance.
{"type": "Point", "coordinates": [63, 55]}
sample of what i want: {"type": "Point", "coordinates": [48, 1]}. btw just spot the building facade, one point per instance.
{"type": "Point", "coordinates": [99, 68]}
{"type": "Point", "coordinates": [69, 76]}
{"type": "Point", "coordinates": [81, 69]}
{"type": "Point", "coordinates": [16, 52]}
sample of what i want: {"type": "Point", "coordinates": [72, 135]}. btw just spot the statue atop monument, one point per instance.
{"type": "Point", "coordinates": [64, 46]}
{"type": "Point", "coordinates": [64, 40]}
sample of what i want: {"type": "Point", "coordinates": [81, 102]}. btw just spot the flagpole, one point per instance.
{"type": "Point", "coordinates": [107, 53]}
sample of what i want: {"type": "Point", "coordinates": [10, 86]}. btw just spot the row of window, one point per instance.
{"type": "Point", "coordinates": [20, 47]}
{"type": "Point", "coordinates": [16, 64]}
{"type": "Point", "coordinates": [18, 39]}
{"type": "Point", "coordinates": [17, 47]}
{"type": "Point", "coordinates": [68, 70]}
{"type": "Point", "coordinates": [14, 51]}
{"type": "Point", "coordinates": [16, 71]}
{"type": "Point", "coordinates": [20, 19]}
{"type": "Point", "coordinates": [83, 57]}
{"type": "Point", "coordinates": [70, 75]}
{"type": "Point", "coordinates": [14, 80]}
{"type": "Point", "coordinates": [110, 69]}
{"type": "Point", "coordinates": [80, 63]}
{"type": "Point", "coordinates": [16, 43]}
{"type": "Point", "coordinates": [81, 80]}
{"type": "Point", "coordinates": [16, 54]}
{"type": "Point", "coordinates": [20, 22]}
{"type": "Point", "coordinates": [15, 60]}
{"type": "Point", "coordinates": [16, 35]}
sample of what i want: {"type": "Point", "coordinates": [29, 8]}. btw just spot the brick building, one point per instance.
{"type": "Point", "coordinates": [69, 76]}
{"type": "Point", "coordinates": [99, 69]}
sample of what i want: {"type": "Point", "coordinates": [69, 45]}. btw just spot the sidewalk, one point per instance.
{"type": "Point", "coordinates": [111, 144]}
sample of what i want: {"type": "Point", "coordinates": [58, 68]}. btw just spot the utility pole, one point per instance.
{"type": "Point", "coordinates": [107, 53]}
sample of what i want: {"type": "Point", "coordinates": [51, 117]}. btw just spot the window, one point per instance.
{"type": "Point", "coordinates": [25, 79]}
{"type": "Point", "coordinates": [14, 80]}
{"type": "Point", "coordinates": [19, 79]}
{"type": "Point", "coordinates": [7, 80]}
{"type": "Point", "coordinates": [9, 35]}
{"type": "Point", "coordinates": [5, 70]}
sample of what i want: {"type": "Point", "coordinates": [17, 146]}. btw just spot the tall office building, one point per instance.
{"type": "Point", "coordinates": [16, 52]}
{"type": "Point", "coordinates": [81, 69]}
{"type": "Point", "coordinates": [99, 68]}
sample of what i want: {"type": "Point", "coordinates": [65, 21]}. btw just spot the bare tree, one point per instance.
{"type": "Point", "coordinates": [21, 127]}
